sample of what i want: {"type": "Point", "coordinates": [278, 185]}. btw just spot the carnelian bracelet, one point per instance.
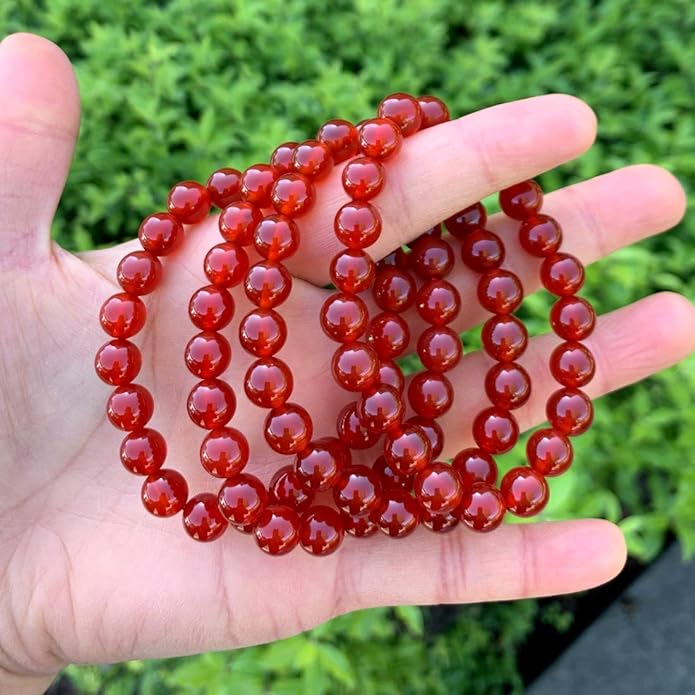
{"type": "Point", "coordinates": [407, 484]}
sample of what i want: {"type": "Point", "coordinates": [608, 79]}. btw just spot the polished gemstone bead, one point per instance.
{"type": "Point", "coordinates": [164, 493]}
{"type": "Point", "coordinates": [549, 452]}
{"type": "Point", "coordinates": [292, 195]}
{"type": "Point", "coordinates": [438, 488]}
{"type": "Point", "coordinates": [277, 529]}
{"type": "Point", "coordinates": [276, 237]}
{"type": "Point", "coordinates": [357, 224]}
{"type": "Point", "coordinates": [570, 411]}
{"type": "Point", "coordinates": [483, 509]}
{"type": "Point", "coordinates": [122, 315]}
{"type": "Point", "coordinates": [160, 233]}
{"type": "Point", "coordinates": [118, 362]}
{"type": "Point", "coordinates": [391, 374]}
{"type": "Point", "coordinates": [482, 250]}
{"type": "Point", "coordinates": [439, 348]}
{"type": "Point", "coordinates": [495, 430]}
{"type": "Point", "coordinates": [394, 290]}
{"type": "Point", "coordinates": [340, 137]}
{"type": "Point", "coordinates": [400, 514]}
{"type": "Point", "coordinates": [139, 272]}
{"type": "Point", "coordinates": [439, 522]}
{"type": "Point", "coordinates": [226, 264]}
{"type": "Point", "coordinates": [522, 200]}
{"type": "Point", "coordinates": [572, 318]}
{"type": "Point", "coordinates": [203, 519]}
{"type": "Point", "coordinates": [130, 407]}
{"type": "Point", "coordinates": [572, 364]}
{"type": "Point", "coordinates": [434, 111]}
{"type": "Point", "coordinates": [211, 404]}
{"type": "Point", "coordinates": [434, 433]}
{"type": "Point", "coordinates": [500, 291]}
{"type": "Point", "coordinates": [466, 220]}
{"type": "Point", "coordinates": [407, 450]}
{"type": "Point", "coordinates": [242, 499]}
{"type": "Point", "coordinates": [320, 463]}
{"type": "Point", "coordinates": [281, 159]}
{"type": "Point", "coordinates": [238, 221]}
{"type": "Point", "coordinates": [352, 271]}
{"type": "Point", "coordinates": [207, 355]}
{"type": "Point", "coordinates": [403, 110]}
{"type": "Point", "coordinates": [224, 452]}
{"type": "Point", "coordinates": [211, 308]}
{"type": "Point", "coordinates": [321, 530]}
{"type": "Point", "coordinates": [189, 202]}
{"type": "Point", "coordinates": [380, 138]}
{"type": "Point", "coordinates": [438, 302]}
{"type": "Point", "coordinates": [389, 335]}
{"type": "Point", "coordinates": [143, 451]}
{"type": "Point", "coordinates": [525, 492]}
{"type": "Point", "coordinates": [344, 317]}
{"type": "Point", "coordinates": [256, 184]}
{"type": "Point", "coordinates": [351, 430]}
{"type": "Point", "coordinates": [431, 257]}
{"type": "Point", "coordinates": [262, 332]}
{"type": "Point", "coordinates": [540, 236]}
{"type": "Point", "coordinates": [355, 366]}
{"type": "Point", "coordinates": [287, 488]}
{"type": "Point", "coordinates": [508, 385]}
{"type": "Point", "coordinates": [288, 429]}
{"type": "Point", "coordinates": [267, 284]}
{"type": "Point", "coordinates": [475, 466]}
{"type": "Point", "coordinates": [381, 408]}
{"type": "Point", "coordinates": [562, 274]}
{"type": "Point", "coordinates": [360, 526]}
{"type": "Point", "coordinates": [430, 394]}
{"type": "Point", "coordinates": [224, 187]}
{"type": "Point", "coordinates": [389, 479]}
{"type": "Point", "coordinates": [357, 491]}
{"type": "Point", "coordinates": [504, 338]}
{"type": "Point", "coordinates": [313, 159]}
{"type": "Point", "coordinates": [363, 178]}
{"type": "Point", "coordinates": [268, 382]}
{"type": "Point", "coordinates": [396, 259]}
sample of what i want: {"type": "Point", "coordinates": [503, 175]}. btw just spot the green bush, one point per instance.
{"type": "Point", "coordinates": [172, 90]}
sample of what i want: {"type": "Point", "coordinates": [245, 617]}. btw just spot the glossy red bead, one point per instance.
{"type": "Point", "coordinates": [396, 259]}
{"type": "Point", "coordinates": [439, 348]}
{"type": "Point", "coordinates": [262, 332]}
{"type": "Point", "coordinates": [320, 463]}
{"type": "Point", "coordinates": [407, 449]}
{"type": "Point", "coordinates": [525, 492]}
{"type": "Point", "coordinates": [500, 292]}
{"type": "Point", "coordinates": [313, 159]}
{"type": "Point", "coordinates": [438, 488]}
{"type": "Point", "coordinates": [504, 338]}
{"type": "Point", "coordinates": [439, 523]}
{"type": "Point", "coordinates": [207, 355]}
{"type": "Point", "coordinates": [321, 530]}
{"type": "Point", "coordinates": [380, 138]}
{"type": "Point", "coordinates": [344, 317]}
{"type": "Point", "coordinates": [257, 183]}
{"type": "Point", "coordinates": [211, 404]}
{"type": "Point", "coordinates": [139, 272]}
{"type": "Point", "coordinates": [540, 236]}
{"type": "Point", "coordinates": [522, 200]}
{"type": "Point", "coordinates": [355, 366]}
{"type": "Point", "coordinates": [341, 138]}
{"type": "Point", "coordinates": [562, 274]}
{"type": "Point", "coordinates": [276, 237]}
{"type": "Point", "coordinates": [267, 284]}
{"type": "Point", "coordinates": [466, 220]}
{"type": "Point", "coordinates": [438, 302]}
{"type": "Point", "coordinates": [483, 510]}
{"type": "Point", "coordinates": [164, 493]}
{"type": "Point", "coordinates": [482, 250]}
{"type": "Point", "coordinates": [360, 526]}
{"type": "Point", "coordinates": [363, 178]}
{"type": "Point", "coordinates": [160, 233]}
{"type": "Point", "coordinates": [403, 110]}
{"type": "Point", "coordinates": [431, 257]}
{"type": "Point", "coordinates": [268, 382]}
{"type": "Point", "coordinates": [143, 451]}
{"type": "Point", "coordinates": [549, 452]}
{"type": "Point", "coordinates": [118, 362]}
{"type": "Point", "coordinates": [572, 364]}
{"type": "Point", "coordinates": [400, 514]}
{"type": "Point", "coordinates": [508, 385]}
{"type": "Point", "coordinates": [430, 394]}
{"type": "Point", "coordinates": [226, 264]}
{"type": "Point", "coordinates": [434, 111]}
{"type": "Point", "coordinates": [288, 429]}
{"type": "Point", "coordinates": [570, 411]}
{"type": "Point", "coordinates": [357, 491]}
{"type": "Point", "coordinates": [189, 202]}
{"type": "Point", "coordinates": [224, 187]}
{"type": "Point", "coordinates": [292, 195]}
{"type": "Point", "coordinates": [238, 221]}
{"type": "Point", "coordinates": [130, 407]}
{"type": "Point", "coordinates": [122, 315]}
{"type": "Point", "coordinates": [203, 519]}
{"type": "Point", "coordinates": [281, 159]}
{"type": "Point", "coordinates": [572, 318]}
{"type": "Point", "coordinates": [434, 433]}
{"type": "Point", "coordinates": [277, 530]}
{"type": "Point", "coordinates": [394, 290]}
{"type": "Point", "coordinates": [242, 499]}
{"type": "Point", "coordinates": [381, 408]}
{"type": "Point", "coordinates": [211, 308]}
{"type": "Point", "coordinates": [475, 466]}
{"type": "Point", "coordinates": [352, 271]}
{"type": "Point", "coordinates": [357, 224]}
{"type": "Point", "coordinates": [351, 431]}
{"type": "Point", "coordinates": [495, 430]}
{"type": "Point", "coordinates": [389, 479]}
{"type": "Point", "coordinates": [287, 488]}
{"type": "Point", "coordinates": [224, 452]}
{"type": "Point", "coordinates": [389, 335]}
{"type": "Point", "coordinates": [391, 374]}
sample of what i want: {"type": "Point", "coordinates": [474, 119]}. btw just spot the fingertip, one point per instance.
{"type": "Point", "coordinates": [580, 119]}
{"type": "Point", "coordinates": [610, 550]}
{"type": "Point", "coordinates": [662, 191]}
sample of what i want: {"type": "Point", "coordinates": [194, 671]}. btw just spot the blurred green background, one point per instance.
{"type": "Point", "coordinates": [174, 89]}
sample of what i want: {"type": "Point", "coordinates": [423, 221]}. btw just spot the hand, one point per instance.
{"type": "Point", "coordinates": [86, 575]}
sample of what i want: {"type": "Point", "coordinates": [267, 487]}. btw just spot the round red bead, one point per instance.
{"type": "Point", "coordinates": [344, 317]}
{"type": "Point", "coordinates": [466, 220]}
{"type": "Point", "coordinates": [276, 237]}
{"type": "Point", "coordinates": [139, 272]}
{"type": "Point", "coordinates": [522, 200]}
{"type": "Point", "coordinates": [570, 411]}
{"type": "Point", "coordinates": [189, 202]}
{"type": "Point", "coordinates": [407, 450]}
{"type": "Point", "coordinates": [207, 355]}
{"type": "Point", "coordinates": [540, 236]}
{"type": "Point", "coordinates": [256, 184]}
{"type": "Point", "coordinates": [500, 292]}
{"type": "Point", "coordinates": [292, 194]}
{"type": "Point", "coordinates": [572, 318]}
{"type": "Point", "coordinates": [313, 159]}
{"type": "Point", "coordinates": [431, 257]}
{"type": "Point", "coordinates": [160, 233]}
{"type": "Point", "coordinates": [400, 514]}
{"type": "Point", "coordinates": [360, 526]}
{"type": "Point", "coordinates": [439, 348]}
{"type": "Point", "coordinates": [403, 110]}
{"type": "Point", "coordinates": [238, 222]}
{"type": "Point", "coordinates": [242, 499]}
{"type": "Point", "coordinates": [357, 491]}
{"type": "Point", "coordinates": [562, 274]}
{"type": "Point", "coordinates": [130, 407]}
{"type": "Point", "coordinates": [277, 530]}
{"type": "Point", "coordinates": [438, 488]}
{"type": "Point", "coordinates": [351, 430]}
{"type": "Point", "coordinates": [226, 264]}
{"type": "Point", "coordinates": [268, 382]}
{"type": "Point", "coordinates": [211, 308]}
{"type": "Point", "coordinates": [164, 493]}
{"type": "Point", "coordinates": [549, 452]}
{"type": "Point", "coordinates": [321, 530]}
{"type": "Point", "coordinates": [475, 466]}
{"type": "Point", "coordinates": [524, 491]}
{"type": "Point", "coordinates": [267, 284]}
{"type": "Point", "coordinates": [224, 187]}
{"type": "Point", "coordinates": [143, 451]}
{"type": "Point", "coordinates": [482, 250]}
{"type": "Point", "coordinates": [340, 137]}
{"type": "Point", "coordinates": [508, 385]}
{"type": "Point", "coordinates": [122, 315]}
{"type": "Point", "coordinates": [495, 430]}
{"type": "Point", "coordinates": [287, 488]}
{"type": "Point", "coordinates": [389, 335]}
{"type": "Point", "coordinates": [380, 138]}
{"type": "Point", "coordinates": [262, 332]}
{"type": "Point", "coordinates": [572, 364]}
{"type": "Point", "coordinates": [430, 394]}
{"type": "Point", "coordinates": [224, 452]}
{"type": "Point", "coordinates": [391, 374]}
{"type": "Point", "coordinates": [434, 433]}
{"type": "Point", "coordinates": [439, 523]}
{"type": "Point", "coordinates": [355, 366]}
{"type": "Point", "coordinates": [211, 404]}
{"type": "Point", "coordinates": [394, 290]}
{"type": "Point", "coordinates": [504, 338]}
{"type": "Point", "coordinates": [319, 464]}
{"type": "Point", "coordinates": [281, 159]}
{"type": "Point", "coordinates": [389, 479]}
{"type": "Point", "coordinates": [203, 519]}
{"type": "Point", "coordinates": [482, 510]}
{"type": "Point", "coordinates": [118, 362]}
{"type": "Point", "coordinates": [434, 111]}
{"type": "Point", "coordinates": [357, 224]}
{"type": "Point", "coordinates": [381, 408]}
{"type": "Point", "coordinates": [438, 302]}
{"type": "Point", "coordinates": [363, 178]}
{"type": "Point", "coordinates": [288, 429]}
{"type": "Point", "coordinates": [352, 271]}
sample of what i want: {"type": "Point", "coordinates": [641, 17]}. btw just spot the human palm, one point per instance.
{"type": "Point", "coordinates": [87, 575]}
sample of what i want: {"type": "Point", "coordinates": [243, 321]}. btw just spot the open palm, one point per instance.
{"type": "Point", "coordinates": [87, 575]}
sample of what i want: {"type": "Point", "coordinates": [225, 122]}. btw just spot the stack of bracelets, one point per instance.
{"type": "Point", "coordinates": [406, 485]}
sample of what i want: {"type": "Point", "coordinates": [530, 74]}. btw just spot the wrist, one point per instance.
{"type": "Point", "coordinates": [24, 685]}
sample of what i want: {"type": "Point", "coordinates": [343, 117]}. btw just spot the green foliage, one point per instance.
{"type": "Point", "coordinates": [172, 90]}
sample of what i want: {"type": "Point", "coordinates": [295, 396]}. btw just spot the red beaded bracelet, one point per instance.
{"type": "Point", "coordinates": [406, 485]}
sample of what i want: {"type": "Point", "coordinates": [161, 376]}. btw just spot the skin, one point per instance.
{"type": "Point", "coordinates": [86, 575]}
